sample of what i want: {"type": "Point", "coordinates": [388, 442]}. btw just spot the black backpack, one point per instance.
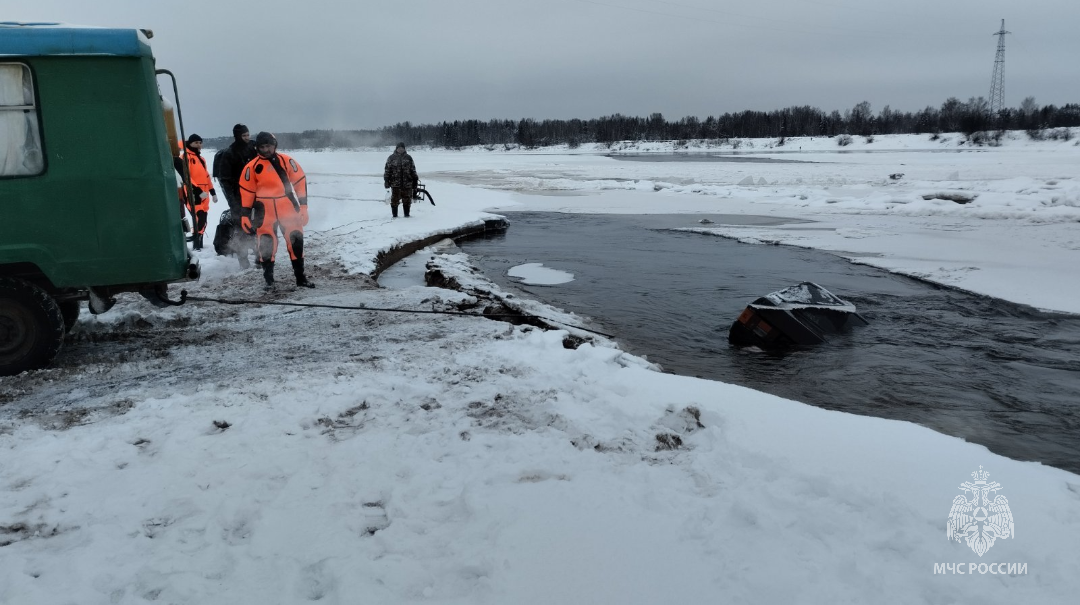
{"type": "Point", "coordinates": [224, 234]}
{"type": "Point", "coordinates": [220, 161]}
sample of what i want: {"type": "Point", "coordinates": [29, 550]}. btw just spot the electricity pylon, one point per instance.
{"type": "Point", "coordinates": [997, 81]}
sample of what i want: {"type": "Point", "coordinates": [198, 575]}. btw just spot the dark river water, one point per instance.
{"type": "Point", "coordinates": [991, 372]}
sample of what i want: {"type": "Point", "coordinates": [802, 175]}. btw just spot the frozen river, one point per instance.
{"type": "Point", "coordinates": [991, 372]}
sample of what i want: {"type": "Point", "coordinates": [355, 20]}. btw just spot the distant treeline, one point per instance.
{"type": "Point", "coordinates": [954, 115]}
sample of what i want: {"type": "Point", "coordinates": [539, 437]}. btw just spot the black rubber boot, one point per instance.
{"type": "Point", "coordinates": [268, 273]}
{"type": "Point", "coordinates": [407, 205]}
{"type": "Point", "coordinates": [200, 229]}
{"type": "Point", "coordinates": [298, 270]}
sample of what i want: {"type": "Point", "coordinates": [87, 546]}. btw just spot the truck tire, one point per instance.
{"type": "Point", "coordinates": [69, 309]}
{"type": "Point", "coordinates": [31, 327]}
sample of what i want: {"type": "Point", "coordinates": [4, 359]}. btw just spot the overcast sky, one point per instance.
{"type": "Point", "coordinates": [302, 64]}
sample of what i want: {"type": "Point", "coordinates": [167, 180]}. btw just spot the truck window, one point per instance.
{"type": "Point", "coordinates": [20, 137]}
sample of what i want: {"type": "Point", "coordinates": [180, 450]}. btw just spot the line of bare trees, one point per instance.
{"type": "Point", "coordinates": [954, 115]}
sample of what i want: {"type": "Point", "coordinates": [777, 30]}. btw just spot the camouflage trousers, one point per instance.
{"type": "Point", "coordinates": [401, 195]}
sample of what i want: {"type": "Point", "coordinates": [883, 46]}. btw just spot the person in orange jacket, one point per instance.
{"type": "Point", "coordinates": [201, 184]}
{"type": "Point", "coordinates": [273, 195]}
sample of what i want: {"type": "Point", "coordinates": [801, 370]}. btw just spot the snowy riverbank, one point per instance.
{"type": "Point", "coordinates": [234, 454]}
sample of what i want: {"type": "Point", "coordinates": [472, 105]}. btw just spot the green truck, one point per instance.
{"type": "Point", "coordinates": [89, 203]}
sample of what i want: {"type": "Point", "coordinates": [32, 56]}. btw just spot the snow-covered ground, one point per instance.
{"type": "Point", "coordinates": [268, 454]}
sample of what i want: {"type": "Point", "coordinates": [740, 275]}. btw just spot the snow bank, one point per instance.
{"type": "Point", "coordinates": [245, 454]}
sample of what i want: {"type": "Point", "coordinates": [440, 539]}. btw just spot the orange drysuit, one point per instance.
{"type": "Point", "coordinates": [204, 187]}
{"type": "Point", "coordinates": [273, 193]}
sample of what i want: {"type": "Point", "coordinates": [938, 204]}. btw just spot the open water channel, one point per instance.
{"type": "Point", "coordinates": [991, 372]}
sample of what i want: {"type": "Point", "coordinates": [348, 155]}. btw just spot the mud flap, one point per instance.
{"type": "Point", "coordinates": [158, 295]}
{"type": "Point", "coordinates": [100, 302]}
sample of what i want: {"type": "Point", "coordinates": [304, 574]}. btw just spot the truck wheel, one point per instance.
{"type": "Point", "coordinates": [70, 310]}
{"type": "Point", "coordinates": [31, 327]}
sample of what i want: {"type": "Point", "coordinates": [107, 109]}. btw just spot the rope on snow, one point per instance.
{"type": "Point", "coordinates": [226, 301]}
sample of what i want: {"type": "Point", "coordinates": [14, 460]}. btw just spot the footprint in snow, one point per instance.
{"type": "Point", "coordinates": [317, 582]}
{"type": "Point", "coordinates": [374, 518]}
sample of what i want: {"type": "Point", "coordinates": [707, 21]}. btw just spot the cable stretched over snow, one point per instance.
{"type": "Point", "coordinates": [235, 301]}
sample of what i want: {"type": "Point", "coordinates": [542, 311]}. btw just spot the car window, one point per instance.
{"type": "Point", "coordinates": [20, 137]}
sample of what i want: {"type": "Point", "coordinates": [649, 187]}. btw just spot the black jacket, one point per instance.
{"type": "Point", "coordinates": [230, 164]}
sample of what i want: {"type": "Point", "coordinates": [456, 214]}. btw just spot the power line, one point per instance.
{"type": "Point", "coordinates": [699, 19]}
{"type": "Point", "coordinates": [649, 12]}
{"type": "Point", "coordinates": [861, 8]}
{"type": "Point", "coordinates": [849, 32]}
{"type": "Point", "coordinates": [860, 32]}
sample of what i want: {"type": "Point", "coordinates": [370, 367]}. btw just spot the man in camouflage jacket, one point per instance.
{"type": "Point", "coordinates": [400, 177]}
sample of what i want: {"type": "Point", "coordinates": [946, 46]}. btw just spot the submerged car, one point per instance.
{"type": "Point", "coordinates": [798, 315]}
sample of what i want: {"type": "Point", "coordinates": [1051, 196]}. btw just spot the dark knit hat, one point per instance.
{"type": "Point", "coordinates": [265, 138]}
{"type": "Point", "coordinates": [193, 138]}
{"type": "Point", "coordinates": [400, 146]}
{"type": "Point", "coordinates": [239, 129]}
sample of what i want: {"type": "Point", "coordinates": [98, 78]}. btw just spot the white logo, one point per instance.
{"type": "Point", "coordinates": [980, 521]}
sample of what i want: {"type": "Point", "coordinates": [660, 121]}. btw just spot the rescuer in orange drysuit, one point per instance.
{"type": "Point", "coordinates": [200, 182]}
{"type": "Point", "coordinates": [273, 194]}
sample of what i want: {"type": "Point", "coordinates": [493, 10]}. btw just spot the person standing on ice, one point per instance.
{"type": "Point", "coordinates": [200, 182]}
{"type": "Point", "coordinates": [232, 161]}
{"type": "Point", "coordinates": [400, 178]}
{"type": "Point", "coordinates": [273, 195]}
